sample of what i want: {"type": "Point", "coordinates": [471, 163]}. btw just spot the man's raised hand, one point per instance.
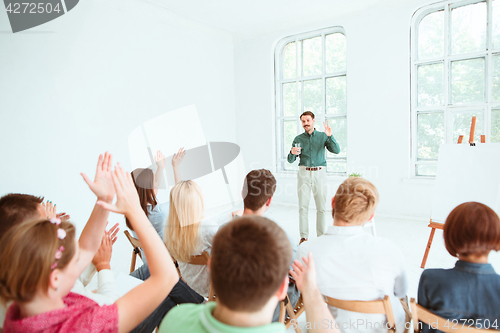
{"type": "Point", "coordinates": [328, 129]}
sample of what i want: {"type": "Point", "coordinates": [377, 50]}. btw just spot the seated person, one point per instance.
{"type": "Point", "coordinates": [471, 289]}
{"type": "Point", "coordinates": [355, 265]}
{"type": "Point", "coordinates": [147, 184]}
{"type": "Point", "coordinates": [187, 234]}
{"type": "Point", "coordinates": [258, 189]}
{"type": "Point", "coordinates": [40, 261]}
{"type": "Point", "coordinates": [249, 272]}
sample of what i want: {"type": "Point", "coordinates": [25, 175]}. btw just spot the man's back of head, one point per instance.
{"type": "Point", "coordinates": [250, 261]}
{"type": "Point", "coordinates": [16, 208]}
{"type": "Point", "coordinates": [355, 201]}
{"type": "Point", "coordinates": [258, 187]}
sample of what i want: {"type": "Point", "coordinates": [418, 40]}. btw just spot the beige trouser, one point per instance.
{"type": "Point", "coordinates": [315, 181]}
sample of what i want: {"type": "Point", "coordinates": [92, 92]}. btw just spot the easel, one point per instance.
{"type": "Point", "coordinates": [436, 225]}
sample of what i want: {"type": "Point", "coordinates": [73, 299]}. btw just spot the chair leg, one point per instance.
{"type": "Point", "coordinates": [211, 296]}
{"type": "Point", "coordinates": [281, 318]}
{"type": "Point", "coordinates": [132, 264]}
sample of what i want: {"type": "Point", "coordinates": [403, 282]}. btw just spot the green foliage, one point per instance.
{"type": "Point", "coordinates": [355, 174]}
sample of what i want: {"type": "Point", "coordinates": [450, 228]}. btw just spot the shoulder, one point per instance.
{"type": "Point", "coordinates": [162, 208]}
{"type": "Point", "coordinates": [433, 279]}
{"type": "Point", "coordinates": [183, 318]}
{"type": "Point", "coordinates": [208, 228]}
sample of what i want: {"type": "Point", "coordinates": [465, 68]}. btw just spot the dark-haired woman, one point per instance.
{"type": "Point", "coordinates": [147, 184]}
{"type": "Point", "coordinates": [469, 293]}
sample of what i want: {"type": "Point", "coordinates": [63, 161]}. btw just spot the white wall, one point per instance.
{"type": "Point", "coordinates": [378, 106]}
{"type": "Point", "coordinates": [77, 86]}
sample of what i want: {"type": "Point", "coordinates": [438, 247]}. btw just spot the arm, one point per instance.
{"type": "Point", "coordinates": [160, 162]}
{"type": "Point", "coordinates": [330, 143]}
{"type": "Point", "coordinates": [176, 161]}
{"type": "Point", "coordinates": [314, 303]}
{"type": "Point", "coordinates": [141, 301]}
{"type": "Point", "coordinates": [102, 186]}
{"type": "Point", "coordinates": [401, 281]}
{"type": "Point", "coordinates": [422, 292]}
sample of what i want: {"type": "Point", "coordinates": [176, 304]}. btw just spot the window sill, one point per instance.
{"type": "Point", "coordinates": [419, 180]}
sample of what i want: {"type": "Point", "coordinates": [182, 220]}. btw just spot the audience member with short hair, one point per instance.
{"type": "Point", "coordinates": [471, 289]}
{"type": "Point", "coordinates": [355, 265]}
{"type": "Point", "coordinates": [249, 272]}
{"type": "Point", "coordinates": [258, 190]}
{"type": "Point", "coordinates": [40, 261]}
{"type": "Point", "coordinates": [187, 234]}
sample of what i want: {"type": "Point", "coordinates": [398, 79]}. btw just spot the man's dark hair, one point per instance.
{"type": "Point", "coordinates": [16, 208]}
{"type": "Point", "coordinates": [250, 260]}
{"type": "Point", "coordinates": [258, 187]}
{"type": "Point", "coordinates": [307, 113]}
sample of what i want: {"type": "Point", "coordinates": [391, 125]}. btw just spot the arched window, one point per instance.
{"type": "Point", "coordinates": [455, 75]}
{"type": "Point", "coordinates": [311, 75]}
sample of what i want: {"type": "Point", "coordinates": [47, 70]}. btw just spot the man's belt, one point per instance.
{"type": "Point", "coordinates": [312, 168]}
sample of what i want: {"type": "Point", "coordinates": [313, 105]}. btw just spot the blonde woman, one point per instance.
{"type": "Point", "coordinates": [187, 234]}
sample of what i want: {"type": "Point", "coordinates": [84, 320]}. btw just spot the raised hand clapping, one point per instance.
{"type": "Point", "coordinates": [127, 199]}
{"type": "Point", "coordinates": [102, 186]}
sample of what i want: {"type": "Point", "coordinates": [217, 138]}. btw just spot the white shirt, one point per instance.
{"type": "Point", "coordinates": [354, 265]}
{"type": "Point", "coordinates": [197, 276]}
{"type": "Point", "coordinates": [109, 287]}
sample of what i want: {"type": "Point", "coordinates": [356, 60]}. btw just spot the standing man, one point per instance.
{"type": "Point", "coordinates": [310, 146]}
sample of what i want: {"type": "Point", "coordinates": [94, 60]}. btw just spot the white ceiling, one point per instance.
{"type": "Point", "coordinates": [248, 19]}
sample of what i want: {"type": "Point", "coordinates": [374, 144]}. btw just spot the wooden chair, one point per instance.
{"type": "Point", "coordinates": [136, 244]}
{"type": "Point", "coordinates": [289, 313]}
{"type": "Point", "coordinates": [381, 306]}
{"type": "Point", "coordinates": [420, 313]}
{"type": "Point", "coordinates": [201, 260]}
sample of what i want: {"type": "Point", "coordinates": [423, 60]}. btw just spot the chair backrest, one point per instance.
{"type": "Point", "coordinates": [136, 244]}
{"type": "Point", "coordinates": [288, 312]}
{"type": "Point", "coordinates": [425, 316]}
{"type": "Point", "coordinates": [201, 260]}
{"type": "Point", "coordinates": [381, 306]}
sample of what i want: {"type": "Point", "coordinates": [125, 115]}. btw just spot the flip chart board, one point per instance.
{"type": "Point", "coordinates": [465, 174]}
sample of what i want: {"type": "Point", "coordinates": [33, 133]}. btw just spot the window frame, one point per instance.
{"type": "Point", "coordinates": [448, 109]}
{"type": "Point", "coordinates": [279, 117]}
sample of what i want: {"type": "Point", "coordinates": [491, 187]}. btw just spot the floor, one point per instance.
{"type": "Point", "coordinates": [410, 235]}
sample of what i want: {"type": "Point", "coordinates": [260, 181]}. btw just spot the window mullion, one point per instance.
{"type": "Point", "coordinates": [447, 72]}
{"type": "Point", "coordinates": [323, 83]}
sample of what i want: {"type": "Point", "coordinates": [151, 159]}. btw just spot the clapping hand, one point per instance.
{"type": "Point", "coordinates": [304, 275]}
{"type": "Point", "coordinates": [50, 209]}
{"type": "Point", "coordinates": [63, 216]}
{"type": "Point", "coordinates": [127, 199]}
{"type": "Point", "coordinates": [102, 186]}
{"type": "Point", "coordinates": [160, 160]}
{"type": "Point", "coordinates": [177, 159]}
{"type": "Point", "coordinates": [328, 129]}
{"type": "Point", "coordinates": [102, 258]}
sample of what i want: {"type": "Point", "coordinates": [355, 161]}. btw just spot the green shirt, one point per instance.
{"type": "Point", "coordinates": [197, 318]}
{"type": "Point", "coordinates": [313, 148]}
